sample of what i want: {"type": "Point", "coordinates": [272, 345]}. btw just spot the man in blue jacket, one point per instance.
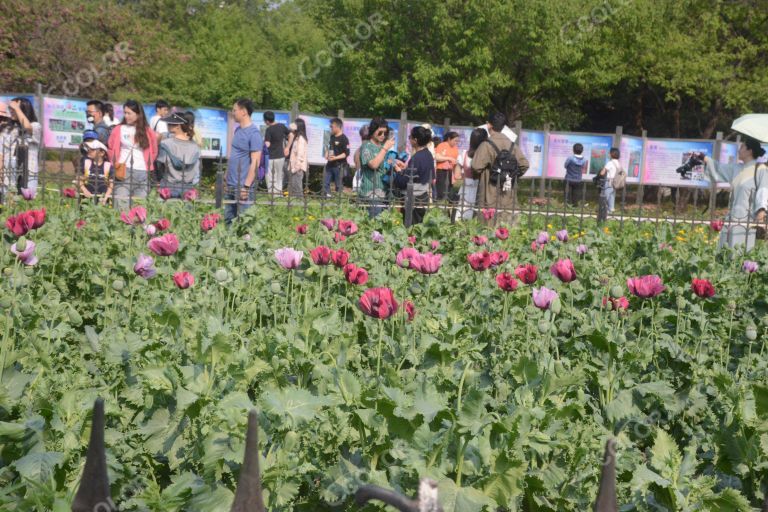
{"type": "Point", "coordinates": [574, 167]}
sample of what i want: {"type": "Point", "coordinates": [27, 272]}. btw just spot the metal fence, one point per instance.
{"type": "Point", "coordinates": [534, 202]}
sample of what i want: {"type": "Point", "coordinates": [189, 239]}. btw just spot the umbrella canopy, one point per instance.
{"type": "Point", "coordinates": [752, 125]}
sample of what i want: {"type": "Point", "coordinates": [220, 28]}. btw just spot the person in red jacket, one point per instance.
{"type": "Point", "coordinates": [132, 147]}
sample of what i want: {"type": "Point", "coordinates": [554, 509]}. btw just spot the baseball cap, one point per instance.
{"type": "Point", "coordinates": [174, 119]}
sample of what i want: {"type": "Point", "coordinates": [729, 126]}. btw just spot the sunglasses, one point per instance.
{"type": "Point", "coordinates": [381, 132]}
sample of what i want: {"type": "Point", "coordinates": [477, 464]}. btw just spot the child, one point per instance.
{"type": "Point", "coordinates": [96, 179]}
{"type": "Point", "coordinates": [574, 167]}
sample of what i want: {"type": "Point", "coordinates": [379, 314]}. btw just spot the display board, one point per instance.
{"type": "Point", "coordinates": [211, 124]}
{"type": "Point", "coordinates": [663, 157]}
{"type": "Point", "coordinates": [280, 117]}
{"type": "Point", "coordinates": [596, 151]}
{"type": "Point", "coordinates": [6, 98]}
{"type": "Point", "coordinates": [532, 145]}
{"type": "Point", "coordinates": [631, 151]}
{"type": "Point", "coordinates": [318, 137]}
{"type": "Point", "coordinates": [64, 121]}
{"type": "Point", "coordinates": [465, 132]}
{"type": "Point", "coordinates": [437, 131]}
{"type": "Point", "coordinates": [352, 129]}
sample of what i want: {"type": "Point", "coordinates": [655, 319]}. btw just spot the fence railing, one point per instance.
{"type": "Point", "coordinates": [534, 202]}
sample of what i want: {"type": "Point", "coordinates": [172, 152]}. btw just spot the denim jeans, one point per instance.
{"type": "Point", "coordinates": [333, 174]}
{"type": "Point", "coordinates": [610, 195]}
{"type": "Point", "coordinates": [233, 209]}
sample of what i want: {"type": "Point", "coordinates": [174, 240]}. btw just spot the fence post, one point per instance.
{"type": "Point", "coordinates": [409, 200]}
{"type": "Point", "coordinates": [640, 188]}
{"type": "Point", "coordinates": [340, 113]}
{"type": "Point", "coordinates": [617, 137]}
{"type": "Point", "coordinates": [402, 136]}
{"type": "Point", "coordinates": [219, 192]}
{"type": "Point", "coordinates": [447, 124]}
{"type": "Point", "coordinates": [713, 183]}
{"type": "Point", "coordinates": [294, 110]}
{"type": "Point", "coordinates": [543, 180]}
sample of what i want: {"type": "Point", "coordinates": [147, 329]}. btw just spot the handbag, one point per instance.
{"type": "Point", "coordinates": [121, 167]}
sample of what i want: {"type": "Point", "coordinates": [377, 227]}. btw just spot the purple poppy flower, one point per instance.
{"type": "Point", "coordinates": [144, 266]}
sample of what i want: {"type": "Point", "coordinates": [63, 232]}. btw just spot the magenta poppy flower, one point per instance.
{"type": "Point", "coordinates": [289, 258]}
{"type": "Point", "coordinates": [534, 246]}
{"type": "Point", "coordinates": [716, 225]}
{"type": "Point", "coordinates": [562, 235]}
{"type": "Point", "coordinates": [190, 195]}
{"type": "Point", "coordinates": [69, 192]}
{"type": "Point", "coordinates": [750, 266]}
{"type": "Point", "coordinates": [135, 216]}
{"type": "Point", "coordinates": [163, 224]}
{"type": "Point", "coordinates": [646, 287]}
{"type": "Point", "coordinates": [79, 224]}
{"type": "Point", "coordinates": [302, 229]}
{"type": "Point", "coordinates": [183, 280]}
{"type": "Point", "coordinates": [620, 304]}
{"type": "Point", "coordinates": [328, 223]}
{"type": "Point", "coordinates": [564, 270]}
{"type": "Point", "coordinates": [406, 256]}
{"type": "Point", "coordinates": [338, 237]}
{"type": "Point", "coordinates": [340, 258]}
{"type": "Point", "coordinates": [355, 275]}
{"type": "Point", "coordinates": [506, 282]}
{"type": "Point", "coordinates": [377, 237]}
{"type": "Point", "coordinates": [28, 193]}
{"type": "Point", "coordinates": [378, 303]}
{"type": "Point", "coordinates": [499, 258]}
{"type": "Point", "coordinates": [410, 310]}
{"type": "Point", "coordinates": [542, 239]}
{"type": "Point", "coordinates": [426, 263]}
{"type": "Point", "coordinates": [543, 297]}
{"type": "Point", "coordinates": [164, 193]}
{"type": "Point", "coordinates": [210, 221]}
{"type": "Point", "coordinates": [488, 213]}
{"type": "Point", "coordinates": [703, 288]}
{"type": "Point", "coordinates": [165, 245]}
{"type": "Point", "coordinates": [527, 273]}
{"type": "Point", "coordinates": [321, 255]}
{"type": "Point", "coordinates": [150, 229]}
{"type": "Point", "coordinates": [25, 252]}
{"type": "Point", "coordinates": [434, 245]}
{"type": "Point", "coordinates": [412, 240]}
{"type": "Point", "coordinates": [479, 261]}
{"type": "Point", "coordinates": [144, 266]}
{"type": "Point", "coordinates": [480, 239]}
{"type": "Point", "coordinates": [347, 227]}
{"type": "Point", "coordinates": [502, 233]}
{"type": "Point", "coordinates": [22, 223]}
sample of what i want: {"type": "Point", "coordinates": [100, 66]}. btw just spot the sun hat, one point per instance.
{"type": "Point", "coordinates": [173, 119]}
{"type": "Point", "coordinates": [95, 144]}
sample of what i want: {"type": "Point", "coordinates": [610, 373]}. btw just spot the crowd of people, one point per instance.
{"type": "Point", "coordinates": [126, 158]}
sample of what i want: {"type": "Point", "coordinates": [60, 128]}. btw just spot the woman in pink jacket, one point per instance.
{"type": "Point", "coordinates": [132, 144]}
{"type": "Point", "coordinates": [298, 163]}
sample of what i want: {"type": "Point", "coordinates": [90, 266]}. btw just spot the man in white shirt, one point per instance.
{"type": "Point", "coordinates": [162, 109]}
{"type": "Point", "coordinates": [608, 173]}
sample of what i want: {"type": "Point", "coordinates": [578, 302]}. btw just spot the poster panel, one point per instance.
{"type": "Point", "coordinates": [211, 124]}
{"type": "Point", "coordinates": [532, 146]}
{"type": "Point", "coordinates": [664, 157]}
{"type": "Point", "coordinates": [64, 121]}
{"type": "Point", "coordinates": [318, 137]}
{"type": "Point", "coordinates": [596, 151]}
{"type": "Point", "coordinates": [352, 129]}
{"type": "Point", "coordinates": [631, 150]}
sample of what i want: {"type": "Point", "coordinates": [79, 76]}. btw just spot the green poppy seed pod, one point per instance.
{"type": "Point", "coordinates": [29, 271]}
{"type": "Point", "coordinates": [208, 251]}
{"type": "Point", "coordinates": [617, 291]}
{"type": "Point", "coordinates": [610, 272]}
{"type": "Point", "coordinates": [543, 326]}
{"type": "Point", "coordinates": [5, 302]}
{"type": "Point", "coordinates": [21, 244]}
{"type": "Point", "coordinates": [118, 285]}
{"type": "Point", "coordinates": [251, 267]}
{"type": "Point", "coordinates": [751, 332]}
{"type": "Point", "coordinates": [291, 441]}
{"type": "Point", "coordinates": [680, 302]}
{"type": "Point", "coordinates": [221, 275]}
{"type": "Point", "coordinates": [275, 287]}
{"type": "Point", "coordinates": [556, 306]}
{"type": "Point", "coordinates": [7, 271]}
{"type": "Point", "coordinates": [74, 317]}
{"type": "Point", "coordinates": [731, 306]}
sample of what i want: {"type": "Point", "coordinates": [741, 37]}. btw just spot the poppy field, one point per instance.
{"type": "Point", "coordinates": [495, 359]}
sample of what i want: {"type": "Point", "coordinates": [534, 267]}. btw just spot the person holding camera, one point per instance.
{"type": "Point", "coordinates": [746, 218]}
{"type": "Point", "coordinates": [496, 190]}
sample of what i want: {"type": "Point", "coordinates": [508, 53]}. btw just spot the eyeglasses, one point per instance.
{"type": "Point", "coordinates": [381, 132]}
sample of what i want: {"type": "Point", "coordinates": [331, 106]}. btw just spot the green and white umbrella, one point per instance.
{"type": "Point", "coordinates": [752, 125]}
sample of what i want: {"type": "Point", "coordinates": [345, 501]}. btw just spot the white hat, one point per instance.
{"type": "Point", "coordinates": [95, 144]}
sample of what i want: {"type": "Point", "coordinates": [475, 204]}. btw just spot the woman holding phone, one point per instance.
{"type": "Point", "coordinates": [374, 166]}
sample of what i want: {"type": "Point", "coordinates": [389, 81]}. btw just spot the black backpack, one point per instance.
{"type": "Point", "coordinates": [504, 165]}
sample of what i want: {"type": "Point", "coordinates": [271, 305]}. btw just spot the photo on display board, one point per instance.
{"type": "Point", "coordinates": [635, 159]}
{"type": "Point", "coordinates": [597, 160]}
{"type": "Point", "coordinates": [697, 172]}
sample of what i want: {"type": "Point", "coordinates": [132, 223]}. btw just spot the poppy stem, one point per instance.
{"type": "Point", "coordinates": [378, 364]}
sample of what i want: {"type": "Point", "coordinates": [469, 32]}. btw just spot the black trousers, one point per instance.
{"type": "Point", "coordinates": [572, 192]}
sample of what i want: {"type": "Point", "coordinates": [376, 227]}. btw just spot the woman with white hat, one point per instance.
{"type": "Point", "coordinates": [179, 155]}
{"type": "Point", "coordinates": [96, 179]}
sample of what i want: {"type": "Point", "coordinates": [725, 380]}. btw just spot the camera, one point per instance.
{"type": "Point", "coordinates": [686, 170]}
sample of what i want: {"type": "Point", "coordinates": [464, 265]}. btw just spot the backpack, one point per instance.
{"type": "Point", "coordinates": [619, 181]}
{"type": "Point", "coordinates": [504, 165]}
